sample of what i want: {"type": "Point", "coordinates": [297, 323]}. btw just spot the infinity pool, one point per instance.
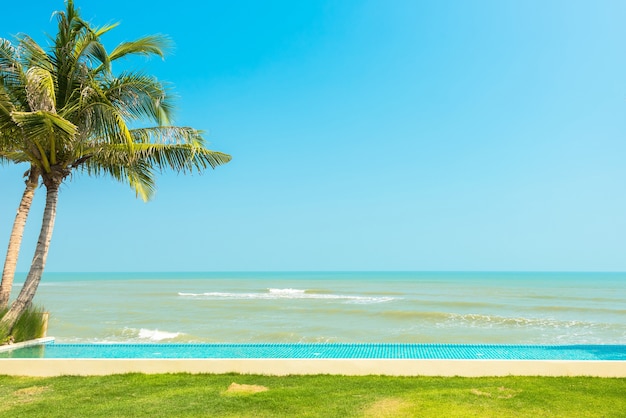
{"type": "Point", "coordinates": [320, 351]}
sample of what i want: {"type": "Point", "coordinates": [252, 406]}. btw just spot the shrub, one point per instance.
{"type": "Point", "coordinates": [29, 326]}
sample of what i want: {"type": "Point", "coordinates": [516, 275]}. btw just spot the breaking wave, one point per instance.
{"type": "Point", "coordinates": [156, 335]}
{"type": "Point", "coordinates": [273, 294]}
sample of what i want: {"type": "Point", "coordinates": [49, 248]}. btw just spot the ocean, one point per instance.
{"type": "Point", "coordinates": [360, 307]}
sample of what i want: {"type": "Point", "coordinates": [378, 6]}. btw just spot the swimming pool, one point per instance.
{"type": "Point", "coordinates": [318, 351]}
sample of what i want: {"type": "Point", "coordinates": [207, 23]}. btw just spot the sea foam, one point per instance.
{"type": "Point", "coordinates": [272, 294]}
{"type": "Point", "coordinates": [156, 335]}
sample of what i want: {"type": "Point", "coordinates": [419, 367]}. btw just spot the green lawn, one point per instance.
{"type": "Point", "coordinates": [184, 395]}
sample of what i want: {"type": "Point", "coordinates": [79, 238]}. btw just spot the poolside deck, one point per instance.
{"type": "Point", "coordinates": [282, 367]}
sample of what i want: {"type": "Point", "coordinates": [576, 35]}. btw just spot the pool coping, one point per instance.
{"type": "Point", "coordinates": [284, 367]}
{"type": "Point", "coordinates": [29, 343]}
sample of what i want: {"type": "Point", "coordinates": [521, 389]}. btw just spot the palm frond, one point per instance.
{"type": "Point", "coordinates": [181, 158]}
{"type": "Point", "coordinates": [33, 54]}
{"type": "Point", "coordinates": [139, 96]}
{"type": "Point", "coordinates": [15, 156]}
{"type": "Point", "coordinates": [12, 76]}
{"type": "Point", "coordinates": [49, 133]}
{"type": "Point", "coordinates": [40, 123]}
{"type": "Point", "coordinates": [146, 46]}
{"type": "Point", "coordinates": [88, 46]}
{"type": "Point", "coordinates": [99, 31]}
{"type": "Point", "coordinates": [169, 135]}
{"type": "Point", "coordinates": [9, 58]}
{"type": "Point", "coordinates": [141, 180]}
{"type": "Point", "coordinates": [117, 164]}
{"type": "Point", "coordinates": [102, 122]}
{"type": "Point", "coordinates": [6, 105]}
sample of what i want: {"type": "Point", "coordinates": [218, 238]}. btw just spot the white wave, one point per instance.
{"type": "Point", "coordinates": [156, 335]}
{"type": "Point", "coordinates": [124, 336]}
{"type": "Point", "coordinates": [288, 294]}
{"type": "Point", "coordinates": [492, 321]}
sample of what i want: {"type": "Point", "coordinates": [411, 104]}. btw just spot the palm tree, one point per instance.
{"type": "Point", "coordinates": [12, 97]}
{"type": "Point", "coordinates": [81, 117]}
{"type": "Point", "coordinates": [15, 239]}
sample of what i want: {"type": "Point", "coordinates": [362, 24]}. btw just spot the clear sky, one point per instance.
{"type": "Point", "coordinates": [365, 135]}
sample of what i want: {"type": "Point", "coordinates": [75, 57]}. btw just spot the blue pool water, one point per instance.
{"type": "Point", "coordinates": [323, 351]}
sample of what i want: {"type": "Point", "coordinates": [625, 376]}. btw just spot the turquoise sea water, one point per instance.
{"type": "Point", "coordinates": [459, 308]}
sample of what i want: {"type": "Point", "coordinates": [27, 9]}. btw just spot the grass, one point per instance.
{"type": "Point", "coordinates": [185, 395]}
{"type": "Point", "coordinates": [28, 327]}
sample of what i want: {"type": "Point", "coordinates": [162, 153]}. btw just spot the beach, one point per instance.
{"type": "Point", "coordinates": [402, 307]}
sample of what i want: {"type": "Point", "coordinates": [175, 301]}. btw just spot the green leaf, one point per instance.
{"type": "Point", "coordinates": [147, 46]}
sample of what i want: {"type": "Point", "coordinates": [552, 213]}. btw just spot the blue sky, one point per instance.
{"type": "Point", "coordinates": [365, 135]}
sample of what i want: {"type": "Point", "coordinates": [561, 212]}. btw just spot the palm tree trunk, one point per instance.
{"type": "Point", "coordinates": [29, 289]}
{"type": "Point", "coordinates": [15, 241]}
